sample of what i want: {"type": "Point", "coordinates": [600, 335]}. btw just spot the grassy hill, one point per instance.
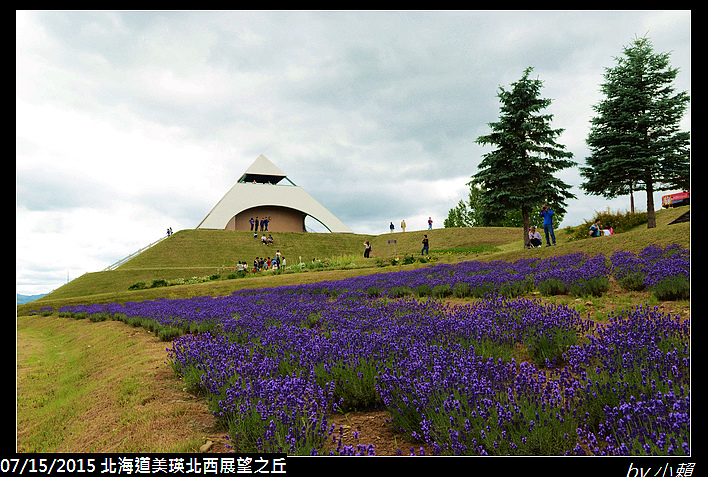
{"type": "Point", "coordinates": [191, 253]}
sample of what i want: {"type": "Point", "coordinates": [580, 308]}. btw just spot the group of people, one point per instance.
{"type": "Point", "coordinates": [535, 240]}
{"type": "Point", "coordinates": [535, 237]}
{"type": "Point", "coordinates": [262, 263]}
{"type": "Point", "coordinates": [424, 251]}
{"type": "Point", "coordinates": [259, 225]}
{"type": "Point", "coordinates": [596, 230]}
{"type": "Point", "coordinates": [265, 240]}
{"type": "Point", "coordinates": [403, 225]}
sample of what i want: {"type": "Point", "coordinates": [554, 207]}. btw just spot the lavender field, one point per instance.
{"type": "Point", "coordinates": [498, 373]}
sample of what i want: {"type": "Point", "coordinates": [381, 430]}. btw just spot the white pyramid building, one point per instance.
{"type": "Point", "coordinates": [264, 191]}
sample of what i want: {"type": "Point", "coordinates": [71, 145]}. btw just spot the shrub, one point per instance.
{"type": "Point", "coordinates": [160, 282]}
{"type": "Point", "coordinates": [373, 291]}
{"type": "Point", "coordinates": [423, 290]}
{"type": "Point", "coordinates": [672, 288]}
{"type": "Point", "coordinates": [632, 281]}
{"type": "Point", "coordinates": [137, 286]}
{"type": "Point", "coordinates": [515, 288]}
{"type": "Point", "coordinates": [168, 333]}
{"type": "Point", "coordinates": [552, 286]}
{"type": "Point", "coordinates": [401, 291]}
{"type": "Point", "coordinates": [96, 317]}
{"type": "Point", "coordinates": [482, 290]}
{"type": "Point", "coordinates": [119, 317]}
{"type": "Point", "coordinates": [441, 291]}
{"type": "Point", "coordinates": [461, 290]}
{"type": "Point", "coordinates": [619, 221]}
{"type": "Point", "coordinates": [549, 345]}
{"type": "Point", "coordinates": [408, 259]}
{"type": "Point", "coordinates": [594, 286]}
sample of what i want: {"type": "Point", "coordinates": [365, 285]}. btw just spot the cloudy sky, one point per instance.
{"type": "Point", "coordinates": [131, 122]}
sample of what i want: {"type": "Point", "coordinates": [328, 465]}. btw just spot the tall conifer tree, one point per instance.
{"type": "Point", "coordinates": [519, 173]}
{"type": "Point", "coordinates": [634, 141]}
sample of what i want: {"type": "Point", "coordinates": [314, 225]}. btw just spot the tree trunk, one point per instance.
{"type": "Point", "coordinates": [527, 225]}
{"type": "Point", "coordinates": [651, 214]}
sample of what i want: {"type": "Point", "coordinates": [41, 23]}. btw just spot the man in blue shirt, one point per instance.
{"type": "Point", "coordinates": [547, 214]}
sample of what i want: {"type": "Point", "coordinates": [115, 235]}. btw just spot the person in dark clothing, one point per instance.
{"type": "Point", "coordinates": [425, 245]}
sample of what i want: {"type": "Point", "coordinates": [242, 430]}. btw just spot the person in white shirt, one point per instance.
{"type": "Point", "coordinates": [534, 237]}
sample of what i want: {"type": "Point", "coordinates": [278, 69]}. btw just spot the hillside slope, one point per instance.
{"type": "Point", "coordinates": [191, 253]}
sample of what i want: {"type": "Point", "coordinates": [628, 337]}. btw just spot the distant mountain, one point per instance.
{"type": "Point", "coordinates": [22, 299]}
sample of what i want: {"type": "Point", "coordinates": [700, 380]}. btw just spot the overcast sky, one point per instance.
{"type": "Point", "coordinates": [131, 122]}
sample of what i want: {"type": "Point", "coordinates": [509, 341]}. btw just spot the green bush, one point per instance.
{"type": "Point", "coordinates": [168, 333]}
{"type": "Point", "coordinates": [398, 292]}
{"type": "Point", "coordinates": [513, 289]}
{"type": "Point", "coordinates": [632, 281]}
{"type": "Point", "coordinates": [548, 346]}
{"type": "Point", "coordinates": [423, 290]}
{"type": "Point", "coordinates": [373, 291]}
{"type": "Point", "coordinates": [408, 259]}
{"type": "Point", "coordinates": [552, 286]}
{"type": "Point", "coordinates": [482, 290]}
{"type": "Point", "coordinates": [595, 286]}
{"type": "Point", "coordinates": [677, 287]}
{"type": "Point", "coordinates": [619, 222]}
{"type": "Point", "coordinates": [137, 286]}
{"type": "Point", "coordinates": [96, 317]}
{"type": "Point", "coordinates": [441, 291]}
{"type": "Point", "coordinates": [160, 282]}
{"type": "Point", "coordinates": [461, 290]}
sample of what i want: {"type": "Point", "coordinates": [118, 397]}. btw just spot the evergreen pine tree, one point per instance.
{"type": "Point", "coordinates": [519, 173]}
{"type": "Point", "coordinates": [634, 141]}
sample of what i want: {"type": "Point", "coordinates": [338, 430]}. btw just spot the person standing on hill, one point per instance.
{"type": "Point", "coordinates": [403, 225]}
{"type": "Point", "coordinates": [425, 245]}
{"type": "Point", "coordinates": [391, 227]}
{"type": "Point", "coordinates": [367, 249]}
{"type": "Point", "coordinates": [547, 214]}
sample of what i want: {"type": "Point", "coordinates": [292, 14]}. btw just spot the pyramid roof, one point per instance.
{"type": "Point", "coordinates": [256, 188]}
{"type": "Point", "coordinates": [263, 171]}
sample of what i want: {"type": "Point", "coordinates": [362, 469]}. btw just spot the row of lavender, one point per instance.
{"type": "Point", "coordinates": [276, 363]}
{"type": "Point", "coordinates": [666, 272]}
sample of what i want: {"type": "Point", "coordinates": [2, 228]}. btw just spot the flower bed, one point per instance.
{"type": "Point", "coordinates": [502, 375]}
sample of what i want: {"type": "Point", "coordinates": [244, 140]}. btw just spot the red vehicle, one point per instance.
{"type": "Point", "coordinates": [676, 200]}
